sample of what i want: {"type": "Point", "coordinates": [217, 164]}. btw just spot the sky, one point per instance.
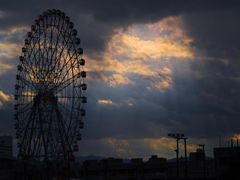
{"type": "Point", "coordinates": [153, 68]}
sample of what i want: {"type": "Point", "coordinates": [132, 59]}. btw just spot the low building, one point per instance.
{"type": "Point", "coordinates": [112, 168]}
{"type": "Point", "coordinates": [227, 161]}
{"type": "Point", "coordinates": [6, 158]}
{"type": "Point", "coordinates": [194, 169]}
{"type": "Point", "coordinates": [196, 156]}
{"type": "Point", "coordinates": [6, 146]}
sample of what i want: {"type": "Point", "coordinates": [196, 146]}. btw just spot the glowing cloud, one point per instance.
{"type": "Point", "coordinates": [14, 30]}
{"type": "Point", "coordinates": [143, 50]}
{"type": "Point", "coordinates": [138, 147]}
{"type": "Point", "coordinates": [135, 147]}
{"type": "Point", "coordinates": [120, 146]}
{"type": "Point", "coordinates": [9, 49]}
{"type": "Point", "coordinates": [119, 79]}
{"type": "Point", "coordinates": [105, 101]}
{"type": "Point", "coordinates": [4, 97]}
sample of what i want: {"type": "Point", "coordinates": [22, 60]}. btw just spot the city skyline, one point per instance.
{"type": "Point", "coordinates": [153, 68]}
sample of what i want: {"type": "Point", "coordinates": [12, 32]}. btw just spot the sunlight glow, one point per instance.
{"type": "Point", "coordinates": [146, 51]}
{"type": "Point", "coordinates": [236, 136]}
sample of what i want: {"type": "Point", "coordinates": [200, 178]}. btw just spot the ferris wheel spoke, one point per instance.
{"type": "Point", "coordinates": [65, 46]}
{"type": "Point", "coordinates": [65, 78]}
{"type": "Point", "coordinates": [64, 109]}
{"type": "Point", "coordinates": [29, 121]}
{"type": "Point", "coordinates": [25, 108]}
{"type": "Point", "coordinates": [57, 62]}
{"type": "Point", "coordinates": [29, 73]}
{"type": "Point", "coordinates": [55, 52]}
{"type": "Point", "coordinates": [32, 54]}
{"type": "Point", "coordinates": [68, 68]}
{"type": "Point", "coordinates": [35, 145]}
{"type": "Point", "coordinates": [63, 125]}
{"type": "Point", "coordinates": [71, 123]}
{"type": "Point", "coordinates": [64, 65]}
{"type": "Point", "coordinates": [65, 84]}
{"type": "Point", "coordinates": [30, 85]}
{"type": "Point", "coordinates": [32, 129]}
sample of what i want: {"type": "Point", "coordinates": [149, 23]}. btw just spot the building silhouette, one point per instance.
{"type": "Point", "coordinates": [224, 165]}
{"type": "Point", "coordinates": [227, 162]}
{"type": "Point", "coordinates": [112, 168]}
{"type": "Point", "coordinates": [6, 158]}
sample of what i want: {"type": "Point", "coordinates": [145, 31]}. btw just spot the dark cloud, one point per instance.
{"type": "Point", "coordinates": [164, 77]}
{"type": "Point", "coordinates": [6, 122]}
{"type": "Point", "coordinates": [17, 39]}
{"type": "Point", "coordinates": [202, 102]}
{"type": "Point", "coordinates": [7, 81]}
{"type": "Point", "coordinates": [216, 35]}
{"type": "Point", "coordinates": [95, 20]}
{"type": "Point", "coordinates": [149, 79]}
{"type": "Point", "coordinates": [119, 120]}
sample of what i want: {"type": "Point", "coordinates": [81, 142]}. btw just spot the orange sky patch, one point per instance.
{"type": "Point", "coordinates": [105, 101]}
{"type": "Point", "coordinates": [236, 136]}
{"type": "Point", "coordinates": [169, 143]}
{"type": "Point", "coordinates": [137, 147]}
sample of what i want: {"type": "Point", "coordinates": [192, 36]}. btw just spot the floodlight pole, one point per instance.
{"type": "Point", "coordinates": [178, 137]}
{"type": "Point", "coordinates": [204, 160]}
{"type": "Point", "coordinates": [177, 159]}
{"type": "Point", "coordinates": [186, 165]}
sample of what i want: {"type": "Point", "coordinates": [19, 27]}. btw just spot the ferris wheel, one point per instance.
{"type": "Point", "coordinates": [49, 93]}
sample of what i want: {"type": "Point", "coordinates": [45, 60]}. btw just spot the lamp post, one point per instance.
{"type": "Point", "coordinates": [178, 137]}
{"type": "Point", "coordinates": [204, 161]}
